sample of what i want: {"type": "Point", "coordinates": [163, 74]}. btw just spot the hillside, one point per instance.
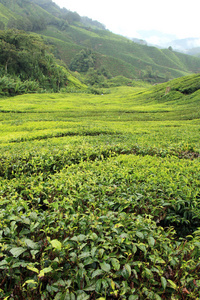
{"type": "Point", "coordinates": [71, 33]}
{"type": "Point", "coordinates": [27, 65]}
{"type": "Point", "coordinates": [136, 58]}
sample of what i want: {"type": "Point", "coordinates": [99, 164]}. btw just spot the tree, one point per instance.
{"type": "Point", "coordinates": [105, 73]}
{"type": "Point", "coordinates": [8, 54]}
{"type": "Point", "coordinates": [72, 17]}
{"type": "Point", "coordinates": [167, 76]}
{"type": "Point", "coordinates": [26, 56]}
{"type": "Point", "coordinates": [2, 25]}
{"type": "Point", "coordinates": [38, 23]}
{"type": "Point", "coordinates": [20, 24]}
{"type": "Point", "coordinates": [95, 78]}
{"type": "Point", "coordinates": [149, 71]}
{"type": "Point", "coordinates": [83, 60]}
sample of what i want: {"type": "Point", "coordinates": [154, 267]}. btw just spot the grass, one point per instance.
{"type": "Point", "coordinates": [100, 194]}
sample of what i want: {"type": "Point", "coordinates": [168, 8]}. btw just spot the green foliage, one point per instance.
{"type": "Point", "coordinates": [27, 57]}
{"type": "Point", "coordinates": [2, 26]}
{"type": "Point", "coordinates": [85, 231]}
{"type": "Point", "coordinates": [84, 60]}
{"type": "Point", "coordinates": [21, 24]}
{"type": "Point", "coordinates": [120, 81]}
{"type": "Point", "coordinates": [91, 23]}
{"type": "Point", "coordinates": [92, 252]}
{"type": "Point", "coordinates": [95, 78]}
{"type": "Point", "coordinates": [99, 195]}
{"type": "Point", "coordinates": [14, 86]}
{"type": "Point", "coordinates": [72, 17]}
{"type": "Point", "coordinates": [25, 15]}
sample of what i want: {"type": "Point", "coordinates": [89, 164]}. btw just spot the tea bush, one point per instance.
{"type": "Point", "coordinates": [93, 230]}
{"type": "Point", "coordinates": [100, 195]}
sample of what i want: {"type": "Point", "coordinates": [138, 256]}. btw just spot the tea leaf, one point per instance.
{"type": "Point", "coordinates": [133, 297]}
{"type": "Point", "coordinates": [83, 296]}
{"type": "Point", "coordinates": [17, 251]}
{"type": "Point", "coordinates": [164, 282]}
{"type": "Point", "coordinates": [106, 267]}
{"type": "Point", "coordinates": [84, 255]}
{"type": "Point", "coordinates": [90, 288]}
{"type": "Point", "coordinates": [31, 268]}
{"type": "Point", "coordinates": [97, 273]}
{"type": "Point", "coordinates": [98, 285]}
{"type": "Point", "coordinates": [44, 271]}
{"type": "Point", "coordinates": [140, 234]}
{"type": "Point", "coordinates": [56, 244]}
{"type": "Point", "coordinates": [115, 263]}
{"type": "Point", "coordinates": [30, 281]}
{"type": "Point", "coordinates": [151, 241]}
{"type": "Point", "coordinates": [93, 251]}
{"type": "Point", "coordinates": [128, 268]}
{"type": "Point", "coordinates": [31, 244]}
{"type": "Point", "coordinates": [3, 263]}
{"type": "Point", "coordinates": [173, 285]}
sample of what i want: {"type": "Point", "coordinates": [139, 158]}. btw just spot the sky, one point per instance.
{"type": "Point", "coordinates": [144, 19]}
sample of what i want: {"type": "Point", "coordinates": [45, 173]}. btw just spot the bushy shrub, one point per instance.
{"type": "Point", "coordinates": [10, 86]}
{"type": "Point", "coordinates": [26, 57]}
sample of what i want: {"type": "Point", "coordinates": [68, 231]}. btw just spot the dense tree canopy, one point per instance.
{"type": "Point", "coordinates": [83, 60]}
{"type": "Point", "coordinates": [26, 56]}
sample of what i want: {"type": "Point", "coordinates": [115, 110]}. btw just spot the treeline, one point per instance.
{"type": "Point", "coordinates": [88, 70]}
{"type": "Point", "coordinates": [51, 14]}
{"type": "Point", "coordinates": [69, 16]}
{"type": "Point", "coordinates": [85, 63]}
{"type": "Point", "coordinates": [26, 64]}
{"type": "Point", "coordinates": [27, 24]}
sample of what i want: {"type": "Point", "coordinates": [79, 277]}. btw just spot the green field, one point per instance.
{"type": "Point", "coordinates": [100, 194]}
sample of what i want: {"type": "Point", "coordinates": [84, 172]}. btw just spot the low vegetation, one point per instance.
{"type": "Point", "coordinates": [99, 170]}
{"type": "Point", "coordinates": [100, 194]}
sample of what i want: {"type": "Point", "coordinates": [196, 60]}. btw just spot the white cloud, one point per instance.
{"type": "Point", "coordinates": [127, 17]}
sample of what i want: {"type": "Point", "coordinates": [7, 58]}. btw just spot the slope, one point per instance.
{"type": "Point", "coordinates": [5, 15]}
{"type": "Point", "coordinates": [70, 33]}
{"type": "Point", "coordinates": [135, 58]}
{"type": "Point", "coordinates": [26, 65]}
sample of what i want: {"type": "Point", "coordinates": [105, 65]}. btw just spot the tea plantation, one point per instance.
{"type": "Point", "coordinates": [100, 194]}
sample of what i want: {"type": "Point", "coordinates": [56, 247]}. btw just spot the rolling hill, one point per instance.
{"type": "Point", "coordinates": [69, 33]}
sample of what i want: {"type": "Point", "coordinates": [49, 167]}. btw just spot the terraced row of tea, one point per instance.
{"type": "Point", "coordinates": [100, 195]}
